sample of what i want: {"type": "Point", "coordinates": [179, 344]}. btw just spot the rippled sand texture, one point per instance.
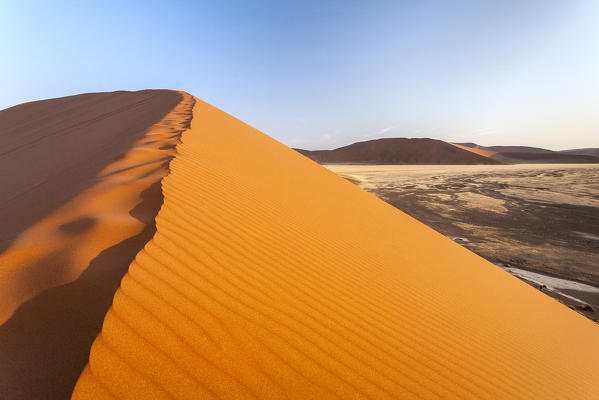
{"type": "Point", "coordinates": [81, 190]}
{"type": "Point", "coordinates": [271, 277]}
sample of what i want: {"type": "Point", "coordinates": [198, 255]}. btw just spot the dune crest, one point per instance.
{"type": "Point", "coordinates": [271, 277]}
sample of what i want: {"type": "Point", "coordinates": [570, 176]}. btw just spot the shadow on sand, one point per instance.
{"type": "Point", "coordinates": [45, 345]}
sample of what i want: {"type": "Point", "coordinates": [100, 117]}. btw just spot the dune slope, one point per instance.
{"type": "Point", "coordinates": [271, 277]}
{"type": "Point", "coordinates": [475, 149]}
{"type": "Point", "coordinates": [81, 189]}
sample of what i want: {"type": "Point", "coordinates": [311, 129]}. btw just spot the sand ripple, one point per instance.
{"type": "Point", "coordinates": [271, 277]}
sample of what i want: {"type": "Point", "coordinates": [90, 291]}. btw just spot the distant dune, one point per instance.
{"type": "Point", "coordinates": [583, 152]}
{"type": "Point", "coordinates": [532, 155]}
{"type": "Point", "coordinates": [432, 151]}
{"type": "Point", "coordinates": [80, 190]}
{"type": "Point", "coordinates": [399, 151]}
{"type": "Point", "coordinates": [271, 277]}
{"type": "Point", "coordinates": [518, 149]}
{"type": "Point", "coordinates": [545, 158]}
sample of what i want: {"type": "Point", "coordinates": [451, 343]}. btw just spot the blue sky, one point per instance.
{"type": "Point", "coordinates": [321, 74]}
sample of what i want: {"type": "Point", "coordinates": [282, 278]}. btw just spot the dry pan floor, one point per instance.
{"type": "Point", "coordinates": [271, 277]}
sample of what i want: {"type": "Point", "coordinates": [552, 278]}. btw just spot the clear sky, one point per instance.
{"type": "Point", "coordinates": [321, 74]}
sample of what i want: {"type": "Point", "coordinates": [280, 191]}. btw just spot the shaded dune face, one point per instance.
{"type": "Point", "coordinates": [82, 177]}
{"type": "Point", "coordinates": [271, 277]}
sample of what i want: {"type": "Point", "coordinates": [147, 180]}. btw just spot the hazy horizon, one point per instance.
{"type": "Point", "coordinates": [320, 75]}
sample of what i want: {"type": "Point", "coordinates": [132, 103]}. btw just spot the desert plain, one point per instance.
{"type": "Point", "coordinates": [540, 222]}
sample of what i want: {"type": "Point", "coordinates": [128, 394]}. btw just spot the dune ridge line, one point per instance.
{"type": "Point", "coordinates": [271, 277]}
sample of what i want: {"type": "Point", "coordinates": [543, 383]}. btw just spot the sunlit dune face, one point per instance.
{"type": "Point", "coordinates": [271, 277]}
{"type": "Point", "coordinates": [482, 152]}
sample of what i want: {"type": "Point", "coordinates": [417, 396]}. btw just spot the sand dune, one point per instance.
{"type": "Point", "coordinates": [531, 155]}
{"type": "Point", "coordinates": [399, 151]}
{"type": "Point", "coordinates": [271, 277]}
{"type": "Point", "coordinates": [81, 189]}
{"type": "Point", "coordinates": [436, 152]}
{"type": "Point", "coordinates": [545, 158]}
{"type": "Point", "coordinates": [518, 149]}
{"type": "Point", "coordinates": [590, 151]}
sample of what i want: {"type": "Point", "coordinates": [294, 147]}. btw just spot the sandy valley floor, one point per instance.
{"type": "Point", "coordinates": [523, 217]}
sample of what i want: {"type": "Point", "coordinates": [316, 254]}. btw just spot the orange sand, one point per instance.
{"type": "Point", "coordinates": [82, 175]}
{"type": "Point", "coordinates": [482, 152]}
{"type": "Point", "coordinates": [271, 277]}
